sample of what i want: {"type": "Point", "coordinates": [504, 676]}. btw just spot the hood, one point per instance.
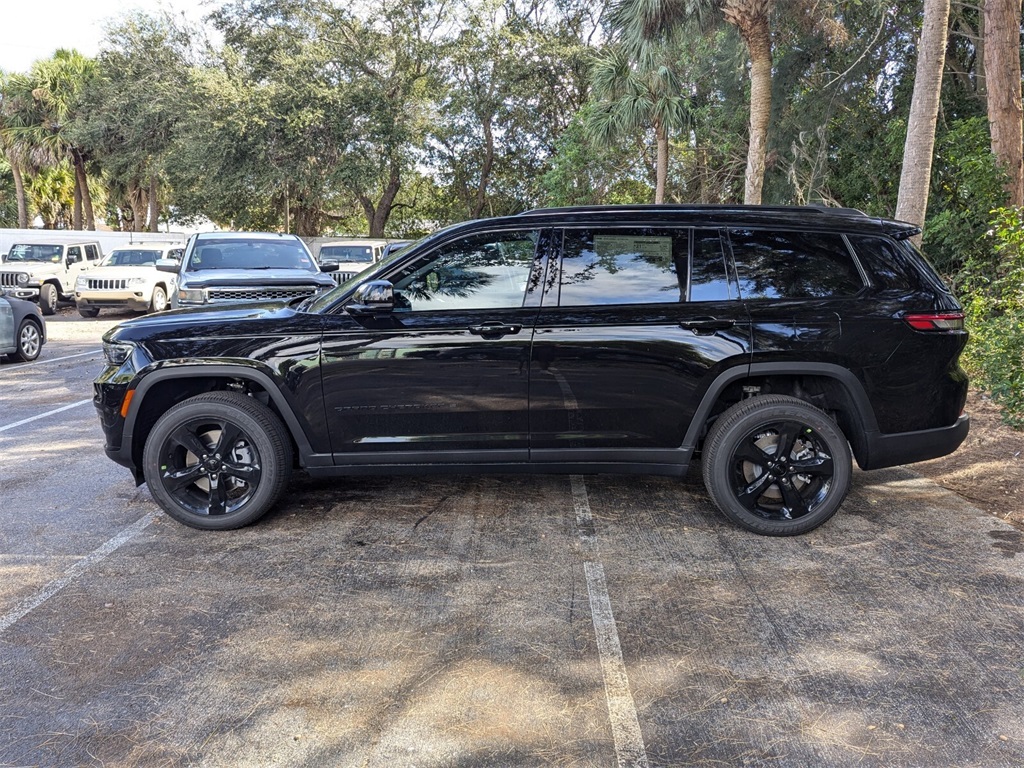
{"type": "Point", "coordinates": [122, 272]}
{"type": "Point", "coordinates": [210, 277]}
{"type": "Point", "coordinates": [208, 318]}
{"type": "Point", "coordinates": [32, 267]}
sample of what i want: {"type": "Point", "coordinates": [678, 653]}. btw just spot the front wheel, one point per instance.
{"type": "Point", "coordinates": [159, 301]}
{"type": "Point", "coordinates": [776, 465]}
{"type": "Point", "coordinates": [88, 311]}
{"type": "Point", "coordinates": [48, 298]}
{"type": "Point", "coordinates": [217, 461]}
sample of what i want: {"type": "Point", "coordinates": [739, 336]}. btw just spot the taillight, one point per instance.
{"type": "Point", "coordinates": [935, 321]}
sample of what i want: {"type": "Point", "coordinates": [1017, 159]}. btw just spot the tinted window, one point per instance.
{"type": "Point", "coordinates": [74, 254]}
{"type": "Point", "coordinates": [623, 266]}
{"type": "Point", "coordinates": [709, 279]}
{"type": "Point", "coordinates": [478, 272]}
{"type": "Point", "coordinates": [235, 253]}
{"type": "Point", "coordinates": [885, 262]}
{"type": "Point", "coordinates": [785, 265]}
{"type": "Point", "coordinates": [91, 253]}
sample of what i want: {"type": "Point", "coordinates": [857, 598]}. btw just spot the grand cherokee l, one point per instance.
{"type": "Point", "coordinates": [767, 344]}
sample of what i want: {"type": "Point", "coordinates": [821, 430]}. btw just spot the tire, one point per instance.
{"type": "Point", "coordinates": [217, 494]}
{"type": "Point", "coordinates": [787, 496]}
{"type": "Point", "coordinates": [88, 311]}
{"type": "Point", "coordinates": [159, 301]}
{"type": "Point", "coordinates": [29, 340]}
{"type": "Point", "coordinates": [47, 298]}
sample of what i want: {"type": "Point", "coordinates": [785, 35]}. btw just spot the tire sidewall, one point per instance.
{"type": "Point", "coordinates": [258, 431]}
{"type": "Point", "coordinates": [747, 416]}
{"type": "Point", "coordinates": [158, 306]}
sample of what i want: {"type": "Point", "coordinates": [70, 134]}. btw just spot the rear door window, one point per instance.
{"type": "Point", "coordinates": [793, 265]}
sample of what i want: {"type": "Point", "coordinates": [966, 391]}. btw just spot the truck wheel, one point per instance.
{"type": "Point", "coordinates": [217, 461]}
{"type": "Point", "coordinates": [776, 465]}
{"type": "Point", "coordinates": [47, 298]}
{"type": "Point", "coordinates": [159, 301]}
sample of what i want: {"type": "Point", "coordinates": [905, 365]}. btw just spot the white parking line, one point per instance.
{"type": "Point", "coordinates": [97, 555]}
{"type": "Point", "coordinates": [34, 363]}
{"type": "Point", "coordinates": [44, 415]}
{"type": "Point", "coordinates": [629, 740]}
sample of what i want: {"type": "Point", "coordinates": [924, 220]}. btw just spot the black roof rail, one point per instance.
{"type": "Point", "coordinates": [816, 208]}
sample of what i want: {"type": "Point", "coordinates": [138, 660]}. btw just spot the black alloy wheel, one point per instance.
{"type": "Point", "coordinates": [776, 465]}
{"type": "Point", "coordinates": [217, 461]}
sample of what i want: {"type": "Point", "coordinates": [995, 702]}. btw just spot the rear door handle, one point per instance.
{"type": "Point", "coordinates": [489, 330]}
{"type": "Point", "coordinates": [706, 324]}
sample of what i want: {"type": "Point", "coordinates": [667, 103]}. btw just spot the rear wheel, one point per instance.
{"type": "Point", "coordinates": [30, 341]}
{"type": "Point", "coordinates": [48, 298]}
{"type": "Point", "coordinates": [217, 461]}
{"type": "Point", "coordinates": [776, 465]}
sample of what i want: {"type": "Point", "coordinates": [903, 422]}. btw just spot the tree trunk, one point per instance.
{"type": "Point", "coordinates": [19, 193]}
{"type": "Point", "coordinates": [82, 187]}
{"type": "Point", "coordinates": [912, 203]}
{"type": "Point", "coordinates": [662, 165]}
{"type": "Point", "coordinates": [154, 205]}
{"type": "Point", "coordinates": [76, 206]}
{"type": "Point", "coordinates": [485, 169]}
{"type": "Point", "coordinates": [1002, 66]}
{"type": "Point", "coordinates": [751, 17]}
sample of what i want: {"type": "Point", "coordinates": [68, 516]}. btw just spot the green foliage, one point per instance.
{"type": "Point", "coordinates": [993, 288]}
{"type": "Point", "coordinates": [966, 185]}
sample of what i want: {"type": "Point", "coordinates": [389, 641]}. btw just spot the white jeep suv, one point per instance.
{"type": "Point", "coordinates": [128, 279]}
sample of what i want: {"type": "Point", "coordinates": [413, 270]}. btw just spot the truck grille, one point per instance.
{"type": "Point", "coordinates": [9, 279]}
{"type": "Point", "coordinates": [262, 293]}
{"type": "Point", "coordinates": [96, 284]}
{"type": "Point", "coordinates": [341, 277]}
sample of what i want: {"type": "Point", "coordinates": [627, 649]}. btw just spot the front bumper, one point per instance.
{"type": "Point", "coordinates": [29, 292]}
{"type": "Point", "coordinates": [114, 300]}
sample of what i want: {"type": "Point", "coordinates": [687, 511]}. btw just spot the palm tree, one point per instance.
{"type": "Point", "coordinates": [641, 20]}
{"type": "Point", "coordinates": [634, 94]}
{"type": "Point", "coordinates": [59, 82]}
{"type": "Point", "coordinates": [15, 97]}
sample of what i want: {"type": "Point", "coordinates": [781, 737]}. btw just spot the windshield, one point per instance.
{"type": "Point", "coordinates": [324, 300]}
{"type": "Point", "coordinates": [47, 253]}
{"type": "Point", "coordinates": [249, 254]}
{"type": "Point", "coordinates": [131, 258]}
{"type": "Point", "coordinates": [358, 253]}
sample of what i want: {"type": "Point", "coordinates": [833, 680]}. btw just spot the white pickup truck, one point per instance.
{"type": "Point", "coordinates": [46, 271]}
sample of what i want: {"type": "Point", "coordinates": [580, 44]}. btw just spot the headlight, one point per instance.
{"type": "Point", "coordinates": [117, 353]}
{"type": "Point", "coordinates": [192, 296]}
{"type": "Point", "coordinates": [81, 283]}
{"type": "Point", "coordinates": [135, 282]}
{"type": "Point", "coordinates": [23, 278]}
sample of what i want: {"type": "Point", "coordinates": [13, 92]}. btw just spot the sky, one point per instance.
{"type": "Point", "coordinates": [34, 29]}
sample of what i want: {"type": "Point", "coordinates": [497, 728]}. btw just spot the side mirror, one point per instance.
{"type": "Point", "coordinates": [329, 266]}
{"type": "Point", "coordinates": [168, 265]}
{"type": "Point", "coordinates": [375, 296]}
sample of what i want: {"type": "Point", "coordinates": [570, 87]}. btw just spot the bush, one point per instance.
{"type": "Point", "coordinates": [993, 296]}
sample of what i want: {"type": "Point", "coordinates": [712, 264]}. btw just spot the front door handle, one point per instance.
{"type": "Point", "coordinates": [701, 325]}
{"type": "Point", "coordinates": [491, 330]}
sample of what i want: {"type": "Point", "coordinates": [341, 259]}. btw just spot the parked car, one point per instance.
{"type": "Point", "coordinates": [128, 279]}
{"type": "Point", "coordinates": [764, 344]}
{"type": "Point", "coordinates": [244, 266]}
{"type": "Point", "coordinates": [22, 329]}
{"type": "Point", "coordinates": [47, 271]}
{"type": "Point", "coordinates": [351, 256]}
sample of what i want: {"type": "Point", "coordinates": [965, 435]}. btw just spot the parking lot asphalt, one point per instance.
{"type": "Point", "coordinates": [485, 620]}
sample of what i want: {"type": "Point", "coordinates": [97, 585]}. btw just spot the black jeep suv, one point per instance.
{"type": "Point", "coordinates": [767, 343]}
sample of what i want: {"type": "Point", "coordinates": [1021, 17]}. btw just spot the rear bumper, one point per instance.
{"type": "Point", "coordinates": [882, 451]}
